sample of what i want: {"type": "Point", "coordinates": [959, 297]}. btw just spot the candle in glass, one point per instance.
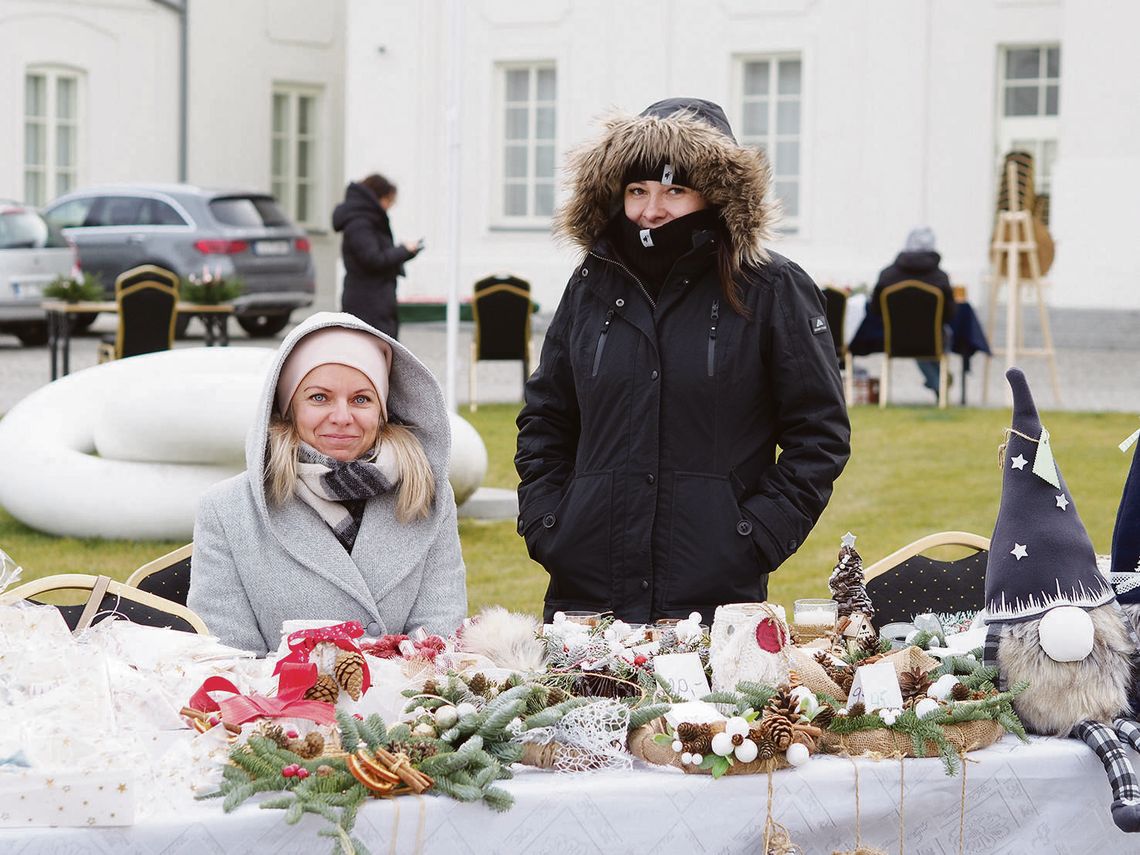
{"type": "Point", "coordinates": [815, 612]}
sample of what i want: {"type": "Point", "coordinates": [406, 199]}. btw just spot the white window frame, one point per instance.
{"type": "Point", "coordinates": [51, 123]}
{"type": "Point", "coordinates": [284, 179]}
{"type": "Point", "coordinates": [788, 224]}
{"type": "Point", "coordinates": [531, 220]}
{"type": "Point", "coordinates": [1037, 134]}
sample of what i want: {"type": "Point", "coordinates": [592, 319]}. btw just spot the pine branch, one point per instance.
{"type": "Point", "coordinates": [497, 720]}
{"type": "Point", "coordinates": [498, 798]}
{"type": "Point", "coordinates": [643, 715]}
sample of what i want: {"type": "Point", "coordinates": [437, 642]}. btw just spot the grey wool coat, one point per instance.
{"type": "Point", "coordinates": [256, 564]}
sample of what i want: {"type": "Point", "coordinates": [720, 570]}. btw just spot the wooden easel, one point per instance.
{"type": "Point", "coordinates": [1013, 239]}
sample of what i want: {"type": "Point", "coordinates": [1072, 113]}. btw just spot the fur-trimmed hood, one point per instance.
{"type": "Point", "coordinates": [691, 133]}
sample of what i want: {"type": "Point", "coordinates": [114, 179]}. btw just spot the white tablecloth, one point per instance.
{"type": "Point", "coordinates": [1047, 797]}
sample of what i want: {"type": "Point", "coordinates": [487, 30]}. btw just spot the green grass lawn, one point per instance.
{"type": "Point", "coordinates": [913, 471]}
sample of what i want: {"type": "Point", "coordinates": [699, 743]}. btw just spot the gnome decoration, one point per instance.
{"type": "Point", "coordinates": [1126, 539]}
{"type": "Point", "coordinates": [1053, 620]}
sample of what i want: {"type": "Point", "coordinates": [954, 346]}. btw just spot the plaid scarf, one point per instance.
{"type": "Point", "coordinates": [338, 490]}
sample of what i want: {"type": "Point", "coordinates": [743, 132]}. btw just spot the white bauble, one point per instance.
{"type": "Point", "coordinates": [942, 687]}
{"type": "Point", "coordinates": [1066, 634]}
{"type": "Point", "coordinates": [925, 707]}
{"type": "Point", "coordinates": [446, 716]}
{"type": "Point", "coordinates": [746, 751]}
{"type": "Point", "coordinates": [797, 754]}
{"type": "Point", "coordinates": [722, 744]}
{"type": "Point", "coordinates": [737, 725]}
{"type": "Point", "coordinates": [698, 759]}
{"type": "Point", "coordinates": [465, 709]}
{"type": "Point", "coordinates": [686, 758]}
{"type": "Point", "coordinates": [677, 746]}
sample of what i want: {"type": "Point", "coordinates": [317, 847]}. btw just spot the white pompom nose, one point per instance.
{"type": "Point", "coordinates": [1066, 634]}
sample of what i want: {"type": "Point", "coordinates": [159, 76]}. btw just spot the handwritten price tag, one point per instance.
{"type": "Point", "coordinates": [684, 675]}
{"type": "Point", "coordinates": [877, 686]}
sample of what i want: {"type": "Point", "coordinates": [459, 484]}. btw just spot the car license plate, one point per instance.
{"type": "Point", "coordinates": [27, 290]}
{"type": "Point", "coordinates": [271, 247]}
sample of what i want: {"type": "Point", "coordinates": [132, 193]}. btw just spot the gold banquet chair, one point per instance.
{"type": "Point", "coordinates": [912, 329]}
{"type": "Point", "coordinates": [168, 576]}
{"type": "Point", "coordinates": [106, 597]}
{"type": "Point", "coordinates": [908, 583]}
{"type": "Point", "coordinates": [835, 303]}
{"type": "Point", "coordinates": [148, 312]}
{"type": "Point", "coordinates": [501, 307]}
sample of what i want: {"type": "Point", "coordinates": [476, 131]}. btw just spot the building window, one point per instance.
{"type": "Point", "coordinates": [529, 99]}
{"type": "Point", "coordinates": [51, 133]}
{"type": "Point", "coordinates": [771, 98]}
{"type": "Point", "coordinates": [293, 158]}
{"type": "Point", "coordinates": [1029, 99]}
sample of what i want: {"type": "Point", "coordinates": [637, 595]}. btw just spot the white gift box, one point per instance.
{"type": "Point", "coordinates": [32, 798]}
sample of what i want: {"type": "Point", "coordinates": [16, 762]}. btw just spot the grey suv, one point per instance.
{"type": "Point", "coordinates": [191, 230]}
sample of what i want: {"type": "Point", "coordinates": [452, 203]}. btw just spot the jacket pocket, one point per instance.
{"type": "Point", "coordinates": [573, 541]}
{"type": "Point", "coordinates": [711, 559]}
{"type": "Point", "coordinates": [600, 349]}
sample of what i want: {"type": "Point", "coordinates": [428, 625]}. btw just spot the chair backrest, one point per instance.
{"type": "Point", "coordinates": [907, 583]}
{"type": "Point", "coordinates": [836, 305]}
{"type": "Point", "coordinates": [501, 308]}
{"type": "Point", "coordinates": [912, 319]}
{"type": "Point", "coordinates": [148, 301]}
{"type": "Point", "coordinates": [108, 598]}
{"type": "Point", "coordinates": [167, 577]}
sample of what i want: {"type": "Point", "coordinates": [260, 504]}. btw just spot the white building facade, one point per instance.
{"type": "Point", "coordinates": [878, 115]}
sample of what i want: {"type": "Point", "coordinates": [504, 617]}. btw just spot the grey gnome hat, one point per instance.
{"type": "Point", "coordinates": [1040, 554]}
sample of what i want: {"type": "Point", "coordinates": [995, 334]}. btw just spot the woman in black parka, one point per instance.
{"type": "Point", "coordinates": [682, 356]}
{"type": "Point", "coordinates": [372, 258]}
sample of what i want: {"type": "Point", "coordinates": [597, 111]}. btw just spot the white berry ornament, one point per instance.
{"type": "Point", "coordinates": [797, 754]}
{"type": "Point", "coordinates": [446, 716]}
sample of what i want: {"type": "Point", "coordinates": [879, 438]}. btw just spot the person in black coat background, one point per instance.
{"type": "Point", "coordinates": [919, 260]}
{"type": "Point", "coordinates": [682, 355]}
{"type": "Point", "coordinates": [372, 258]}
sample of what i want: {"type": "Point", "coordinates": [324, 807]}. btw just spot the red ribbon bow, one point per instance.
{"type": "Point", "coordinates": [289, 703]}
{"type": "Point", "coordinates": [302, 642]}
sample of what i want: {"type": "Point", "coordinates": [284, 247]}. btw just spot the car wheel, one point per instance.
{"type": "Point", "coordinates": [180, 325]}
{"type": "Point", "coordinates": [32, 335]}
{"type": "Point", "coordinates": [260, 326]}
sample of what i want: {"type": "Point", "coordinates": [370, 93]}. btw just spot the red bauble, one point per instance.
{"type": "Point", "coordinates": [302, 772]}
{"type": "Point", "coordinates": [769, 635]}
{"type": "Point", "coordinates": [289, 771]}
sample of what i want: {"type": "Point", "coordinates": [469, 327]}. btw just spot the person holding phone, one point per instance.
{"type": "Point", "coordinates": [372, 258]}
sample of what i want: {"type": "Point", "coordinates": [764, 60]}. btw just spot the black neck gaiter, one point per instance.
{"type": "Point", "coordinates": [651, 253]}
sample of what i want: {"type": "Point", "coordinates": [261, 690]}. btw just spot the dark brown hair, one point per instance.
{"type": "Point", "coordinates": [728, 268]}
{"type": "Point", "coordinates": [379, 185]}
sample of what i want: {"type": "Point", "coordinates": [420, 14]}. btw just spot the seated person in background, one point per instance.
{"type": "Point", "coordinates": [344, 511]}
{"type": "Point", "coordinates": [919, 260]}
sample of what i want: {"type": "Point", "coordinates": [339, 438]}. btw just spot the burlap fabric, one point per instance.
{"type": "Point", "coordinates": [642, 746]}
{"type": "Point", "coordinates": [968, 736]}
{"type": "Point", "coordinates": [813, 676]}
{"type": "Point", "coordinates": [545, 756]}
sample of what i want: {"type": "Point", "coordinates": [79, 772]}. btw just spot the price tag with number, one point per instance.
{"type": "Point", "coordinates": [683, 674]}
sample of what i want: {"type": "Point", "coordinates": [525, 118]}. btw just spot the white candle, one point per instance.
{"type": "Point", "coordinates": [816, 612]}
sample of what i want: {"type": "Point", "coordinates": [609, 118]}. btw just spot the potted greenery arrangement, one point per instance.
{"type": "Point", "coordinates": [211, 289]}
{"type": "Point", "coordinates": [87, 287]}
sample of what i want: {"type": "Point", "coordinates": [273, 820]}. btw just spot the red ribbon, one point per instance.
{"type": "Point", "coordinates": [302, 642]}
{"type": "Point", "coordinates": [289, 703]}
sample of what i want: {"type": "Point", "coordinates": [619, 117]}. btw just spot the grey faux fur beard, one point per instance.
{"type": "Point", "coordinates": [732, 177]}
{"type": "Point", "coordinates": [1060, 694]}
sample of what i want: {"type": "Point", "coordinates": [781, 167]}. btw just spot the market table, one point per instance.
{"type": "Point", "coordinates": [59, 313]}
{"type": "Point", "coordinates": [969, 338]}
{"type": "Point", "coordinates": [1048, 796]}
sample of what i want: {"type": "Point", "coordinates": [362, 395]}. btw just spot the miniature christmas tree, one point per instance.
{"type": "Point", "coordinates": [846, 581]}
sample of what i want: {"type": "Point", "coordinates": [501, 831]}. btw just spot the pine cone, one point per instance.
{"type": "Point", "coordinates": [276, 734]}
{"type": "Point", "coordinates": [778, 730]}
{"type": "Point", "coordinates": [793, 678]}
{"type": "Point", "coordinates": [856, 709]}
{"type": "Point", "coordinates": [556, 696]}
{"type": "Point", "coordinates": [765, 749]}
{"type": "Point", "coordinates": [913, 683]}
{"type": "Point", "coordinates": [479, 684]}
{"type": "Point", "coordinates": [783, 704]}
{"type": "Point", "coordinates": [324, 771]}
{"type": "Point", "coordinates": [959, 692]}
{"type": "Point", "coordinates": [431, 688]}
{"type": "Point", "coordinates": [313, 745]}
{"type": "Point", "coordinates": [325, 689]}
{"type": "Point", "coordinates": [349, 673]}
{"type": "Point", "coordinates": [697, 738]}
{"type": "Point", "coordinates": [824, 716]}
{"type": "Point", "coordinates": [416, 750]}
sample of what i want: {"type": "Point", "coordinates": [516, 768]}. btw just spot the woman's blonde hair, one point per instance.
{"type": "Point", "coordinates": [415, 489]}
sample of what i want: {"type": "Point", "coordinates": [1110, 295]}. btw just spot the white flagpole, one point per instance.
{"type": "Point", "coordinates": [452, 135]}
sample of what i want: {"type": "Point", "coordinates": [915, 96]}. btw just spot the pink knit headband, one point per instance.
{"type": "Point", "coordinates": [355, 348]}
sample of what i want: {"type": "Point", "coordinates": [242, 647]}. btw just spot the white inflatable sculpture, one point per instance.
{"type": "Point", "coordinates": [124, 449]}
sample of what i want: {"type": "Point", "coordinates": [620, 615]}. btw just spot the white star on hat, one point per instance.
{"type": "Point", "coordinates": [848, 540]}
{"type": "Point", "coordinates": [1062, 502]}
{"type": "Point", "coordinates": [1019, 551]}
{"type": "Point", "coordinates": [1019, 462]}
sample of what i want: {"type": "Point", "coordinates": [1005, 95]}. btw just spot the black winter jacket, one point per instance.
{"type": "Point", "coordinates": [647, 449]}
{"type": "Point", "coordinates": [922, 266]}
{"type": "Point", "coordinates": [372, 259]}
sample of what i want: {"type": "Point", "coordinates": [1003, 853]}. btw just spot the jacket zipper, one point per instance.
{"type": "Point", "coordinates": [629, 273]}
{"type": "Point", "coordinates": [602, 342]}
{"type": "Point", "coordinates": [713, 317]}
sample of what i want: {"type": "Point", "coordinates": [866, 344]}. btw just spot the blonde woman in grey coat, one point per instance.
{"type": "Point", "coordinates": [344, 511]}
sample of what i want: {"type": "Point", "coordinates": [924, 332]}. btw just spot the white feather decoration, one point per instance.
{"type": "Point", "coordinates": [508, 639]}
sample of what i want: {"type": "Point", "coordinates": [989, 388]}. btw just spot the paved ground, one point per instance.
{"type": "Point", "coordinates": [1098, 363]}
